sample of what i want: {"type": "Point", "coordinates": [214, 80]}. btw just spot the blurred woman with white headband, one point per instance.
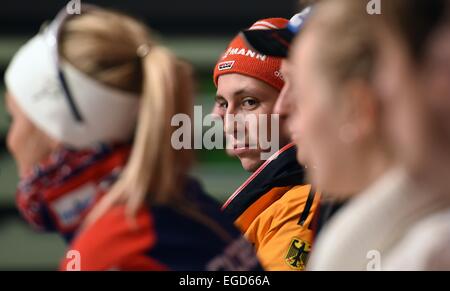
{"type": "Point", "coordinates": [91, 99]}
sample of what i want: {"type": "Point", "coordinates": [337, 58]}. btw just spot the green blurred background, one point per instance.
{"type": "Point", "coordinates": [197, 30]}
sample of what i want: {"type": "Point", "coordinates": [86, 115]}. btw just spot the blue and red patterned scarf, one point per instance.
{"type": "Point", "coordinates": [59, 193]}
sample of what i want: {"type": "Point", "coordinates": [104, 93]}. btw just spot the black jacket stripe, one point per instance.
{"type": "Point", "coordinates": [304, 215]}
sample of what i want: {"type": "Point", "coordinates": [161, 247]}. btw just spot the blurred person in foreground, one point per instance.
{"type": "Point", "coordinates": [416, 38]}
{"type": "Point", "coordinates": [91, 98]}
{"type": "Point", "coordinates": [336, 118]}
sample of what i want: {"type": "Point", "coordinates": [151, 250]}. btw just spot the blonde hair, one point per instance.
{"type": "Point", "coordinates": [104, 44]}
{"type": "Point", "coordinates": [348, 43]}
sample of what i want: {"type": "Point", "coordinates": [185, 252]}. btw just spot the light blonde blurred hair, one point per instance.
{"type": "Point", "coordinates": [348, 43]}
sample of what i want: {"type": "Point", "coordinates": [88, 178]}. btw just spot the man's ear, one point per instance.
{"type": "Point", "coordinates": [360, 107]}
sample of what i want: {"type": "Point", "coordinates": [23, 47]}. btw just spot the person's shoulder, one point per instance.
{"type": "Point", "coordinates": [111, 239]}
{"type": "Point", "coordinates": [295, 201]}
{"type": "Point", "coordinates": [293, 210]}
{"type": "Point", "coordinates": [298, 195]}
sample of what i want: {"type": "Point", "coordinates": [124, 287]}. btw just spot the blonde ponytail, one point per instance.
{"type": "Point", "coordinates": [155, 169]}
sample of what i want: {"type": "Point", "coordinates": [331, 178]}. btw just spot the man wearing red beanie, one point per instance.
{"type": "Point", "coordinates": [274, 207]}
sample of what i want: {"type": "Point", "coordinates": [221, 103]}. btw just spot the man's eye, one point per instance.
{"type": "Point", "coordinates": [250, 103]}
{"type": "Point", "coordinates": [221, 104]}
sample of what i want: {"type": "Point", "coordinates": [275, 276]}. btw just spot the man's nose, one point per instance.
{"type": "Point", "coordinates": [229, 123]}
{"type": "Point", "coordinates": [218, 111]}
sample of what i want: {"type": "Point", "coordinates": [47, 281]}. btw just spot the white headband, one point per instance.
{"type": "Point", "coordinates": [109, 115]}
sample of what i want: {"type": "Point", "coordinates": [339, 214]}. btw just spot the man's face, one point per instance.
{"type": "Point", "coordinates": [252, 99]}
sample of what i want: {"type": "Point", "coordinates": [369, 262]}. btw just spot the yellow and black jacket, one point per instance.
{"type": "Point", "coordinates": [275, 210]}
